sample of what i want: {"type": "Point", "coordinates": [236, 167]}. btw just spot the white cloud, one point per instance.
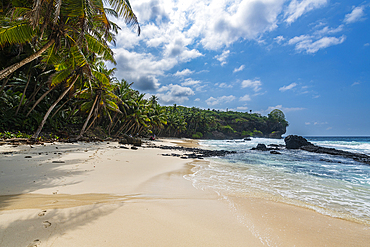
{"type": "Point", "coordinates": [355, 83]}
{"type": "Point", "coordinates": [174, 94]}
{"type": "Point", "coordinates": [279, 39]}
{"type": "Point", "coordinates": [184, 72]}
{"type": "Point", "coordinates": [307, 123]}
{"type": "Point", "coordinates": [199, 88]}
{"type": "Point", "coordinates": [356, 15]}
{"type": "Point", "coordinates": [320, 123]}
{"type": "Point", "coordinates": [327, 30]}
{"type": "Point", "coordinates": [197, 99]}
{"type": "Point", "coordinates": [298, 8]}
{"type": "Point", "coordinates": [190, 82]}
{"type": "Point", "coordinates": [298, 39]}
{"type": "Point", "coordinates": [284, 109]}
{"type": "Point", "coordinates": [242, 108]}
{"type": "Point", "coordinates": [245, 98]}
{"type": "Point", "coordinates": [223, 22]}
{"type": "Point", "coordinates": [255, 85]}
{"type": "Point", "coordinates": [306, 43]}
{"type": "Point", "coordinates": [175, 32]}
{"type": "Point", "coordinates": [224, 85]}
{"type": "Point", "coordinates": [285, 88]}
{"type": "Point", "coordinates": [239, 69]}
{"type": "Point", "coordinates": [211, 101]}
{"type": "Point", "coordinates": [222, 57]}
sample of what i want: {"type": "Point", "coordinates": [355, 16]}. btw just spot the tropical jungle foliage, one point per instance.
{"type": "Point", "coordinates": [54, 78]}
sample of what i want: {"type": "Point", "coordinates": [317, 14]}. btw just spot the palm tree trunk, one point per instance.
{"type": "Point", "coordinates": [7, 71]}
{"type": "Point", "coordinates": [4, 84]}
{"type": "Point", "coordinates": [111, 123]}
{"type": "Point", "coordinates": [114, 125]}
{"type": "Point", "coordinates": [39, 100]}
{"type": "Point", "coordinates": [96, 116]}
{"type": "Point", "coordinates": [88, 117]}
{"type": "Point", "coordinates": [64, 104]}
{"type": "Point", "coordinates": [37, 133]}
{"type": "Point", "coordinates": [32, 97]}
{"type": "Point", "coordinates": [129, 128]}
{"type": "Point", "coordinates": [122, 128]}
{"type": "Point", "coordinates": [24, 92]}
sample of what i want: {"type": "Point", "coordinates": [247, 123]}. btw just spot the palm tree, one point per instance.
{"type": "Point", "coordinates": [76, 28]}
{"type": "Point", "coordinates": [54, 24]}
{"type": "Point", "coordinates": [104, 100]}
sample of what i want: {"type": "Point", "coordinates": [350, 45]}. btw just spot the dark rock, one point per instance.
{"type": "Point", "coordinates": [58, 161]}
{"type": "Point", "coordinates": [197, 151]}
{"type": "Point", "coordinates": [296, 142]}
{"type": "Point", "coordinates": [261, 147]}
{"type": "Point", "coordinates": [276, 134]}
{"type": "Point", "coordinates": [309, 147]}
{"type": "Point", "coordinates": [247, 139]}
{"type": "Point", "coordinates": [274, 152]}
{"type": "Point", "coordinates": [123, 141]}
{"type": "Point", "coordinates": [134, 148]}
{"type": "Point", "coordinates": [28, 157]}
{"type": "Point", "coordinates": [123, 147]}
{"type": "Point", "coordinates": [126, 139]}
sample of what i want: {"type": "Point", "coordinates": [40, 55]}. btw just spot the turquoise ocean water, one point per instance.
{"type": "Point", "coordinates": [330, 185]}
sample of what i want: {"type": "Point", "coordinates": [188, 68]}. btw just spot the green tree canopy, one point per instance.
{"type": "Point", "coordinates": [277, 116]}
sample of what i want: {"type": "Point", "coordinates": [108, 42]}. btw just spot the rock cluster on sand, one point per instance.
{"type": "Point", "coordinates": [126, 139]}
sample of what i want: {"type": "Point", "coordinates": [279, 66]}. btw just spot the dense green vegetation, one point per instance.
{"type": "Point", "coordinates": [212, 124]}
{"type": "Point", "coordinates": [54, 79]}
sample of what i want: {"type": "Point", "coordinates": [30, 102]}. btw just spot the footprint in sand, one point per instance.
{"type": "Point", "coordinates": [46, 224]}
{"type": "Point", "coordinates": [35, 243]}
{"type": "Point", "coordinates": [42, 213]}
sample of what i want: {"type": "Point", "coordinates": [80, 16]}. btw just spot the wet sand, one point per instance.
{"type": "Point", "coordinates": [98, 194]}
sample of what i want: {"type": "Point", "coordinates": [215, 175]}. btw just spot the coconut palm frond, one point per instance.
{"type": "Point", "coordinates": [18, 33]}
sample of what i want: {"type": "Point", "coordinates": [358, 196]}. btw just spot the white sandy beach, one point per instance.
{"type": "Point", "coordinates": [97, 194]}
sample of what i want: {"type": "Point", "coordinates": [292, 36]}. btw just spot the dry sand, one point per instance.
{"type": "Point", "coordinates": [97, 194]}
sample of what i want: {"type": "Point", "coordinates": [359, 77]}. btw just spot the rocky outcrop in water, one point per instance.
{"type": "Point", "coordinates": [295, 142]}
{"type": "Point", "coordinates": [298, 142]}
{"type": "Point", "coordinates": [197, 152]}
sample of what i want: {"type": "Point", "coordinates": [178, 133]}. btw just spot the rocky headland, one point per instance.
{"type": "Point", "coordinates": [299, 142]}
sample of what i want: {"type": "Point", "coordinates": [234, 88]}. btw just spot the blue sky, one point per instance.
{"type": "Point", "coordinates": [309, 58]}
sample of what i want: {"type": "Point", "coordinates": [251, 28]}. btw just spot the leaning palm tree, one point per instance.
{"type": "Point", "coordinates": [46, 23]}
{"type": "Point", "coordinates": [78, 28]}
{"type": "Point", "coordinates": [103, 100]}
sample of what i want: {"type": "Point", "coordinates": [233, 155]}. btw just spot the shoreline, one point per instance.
{"type": "Point", "coordinates": [105, 195]}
